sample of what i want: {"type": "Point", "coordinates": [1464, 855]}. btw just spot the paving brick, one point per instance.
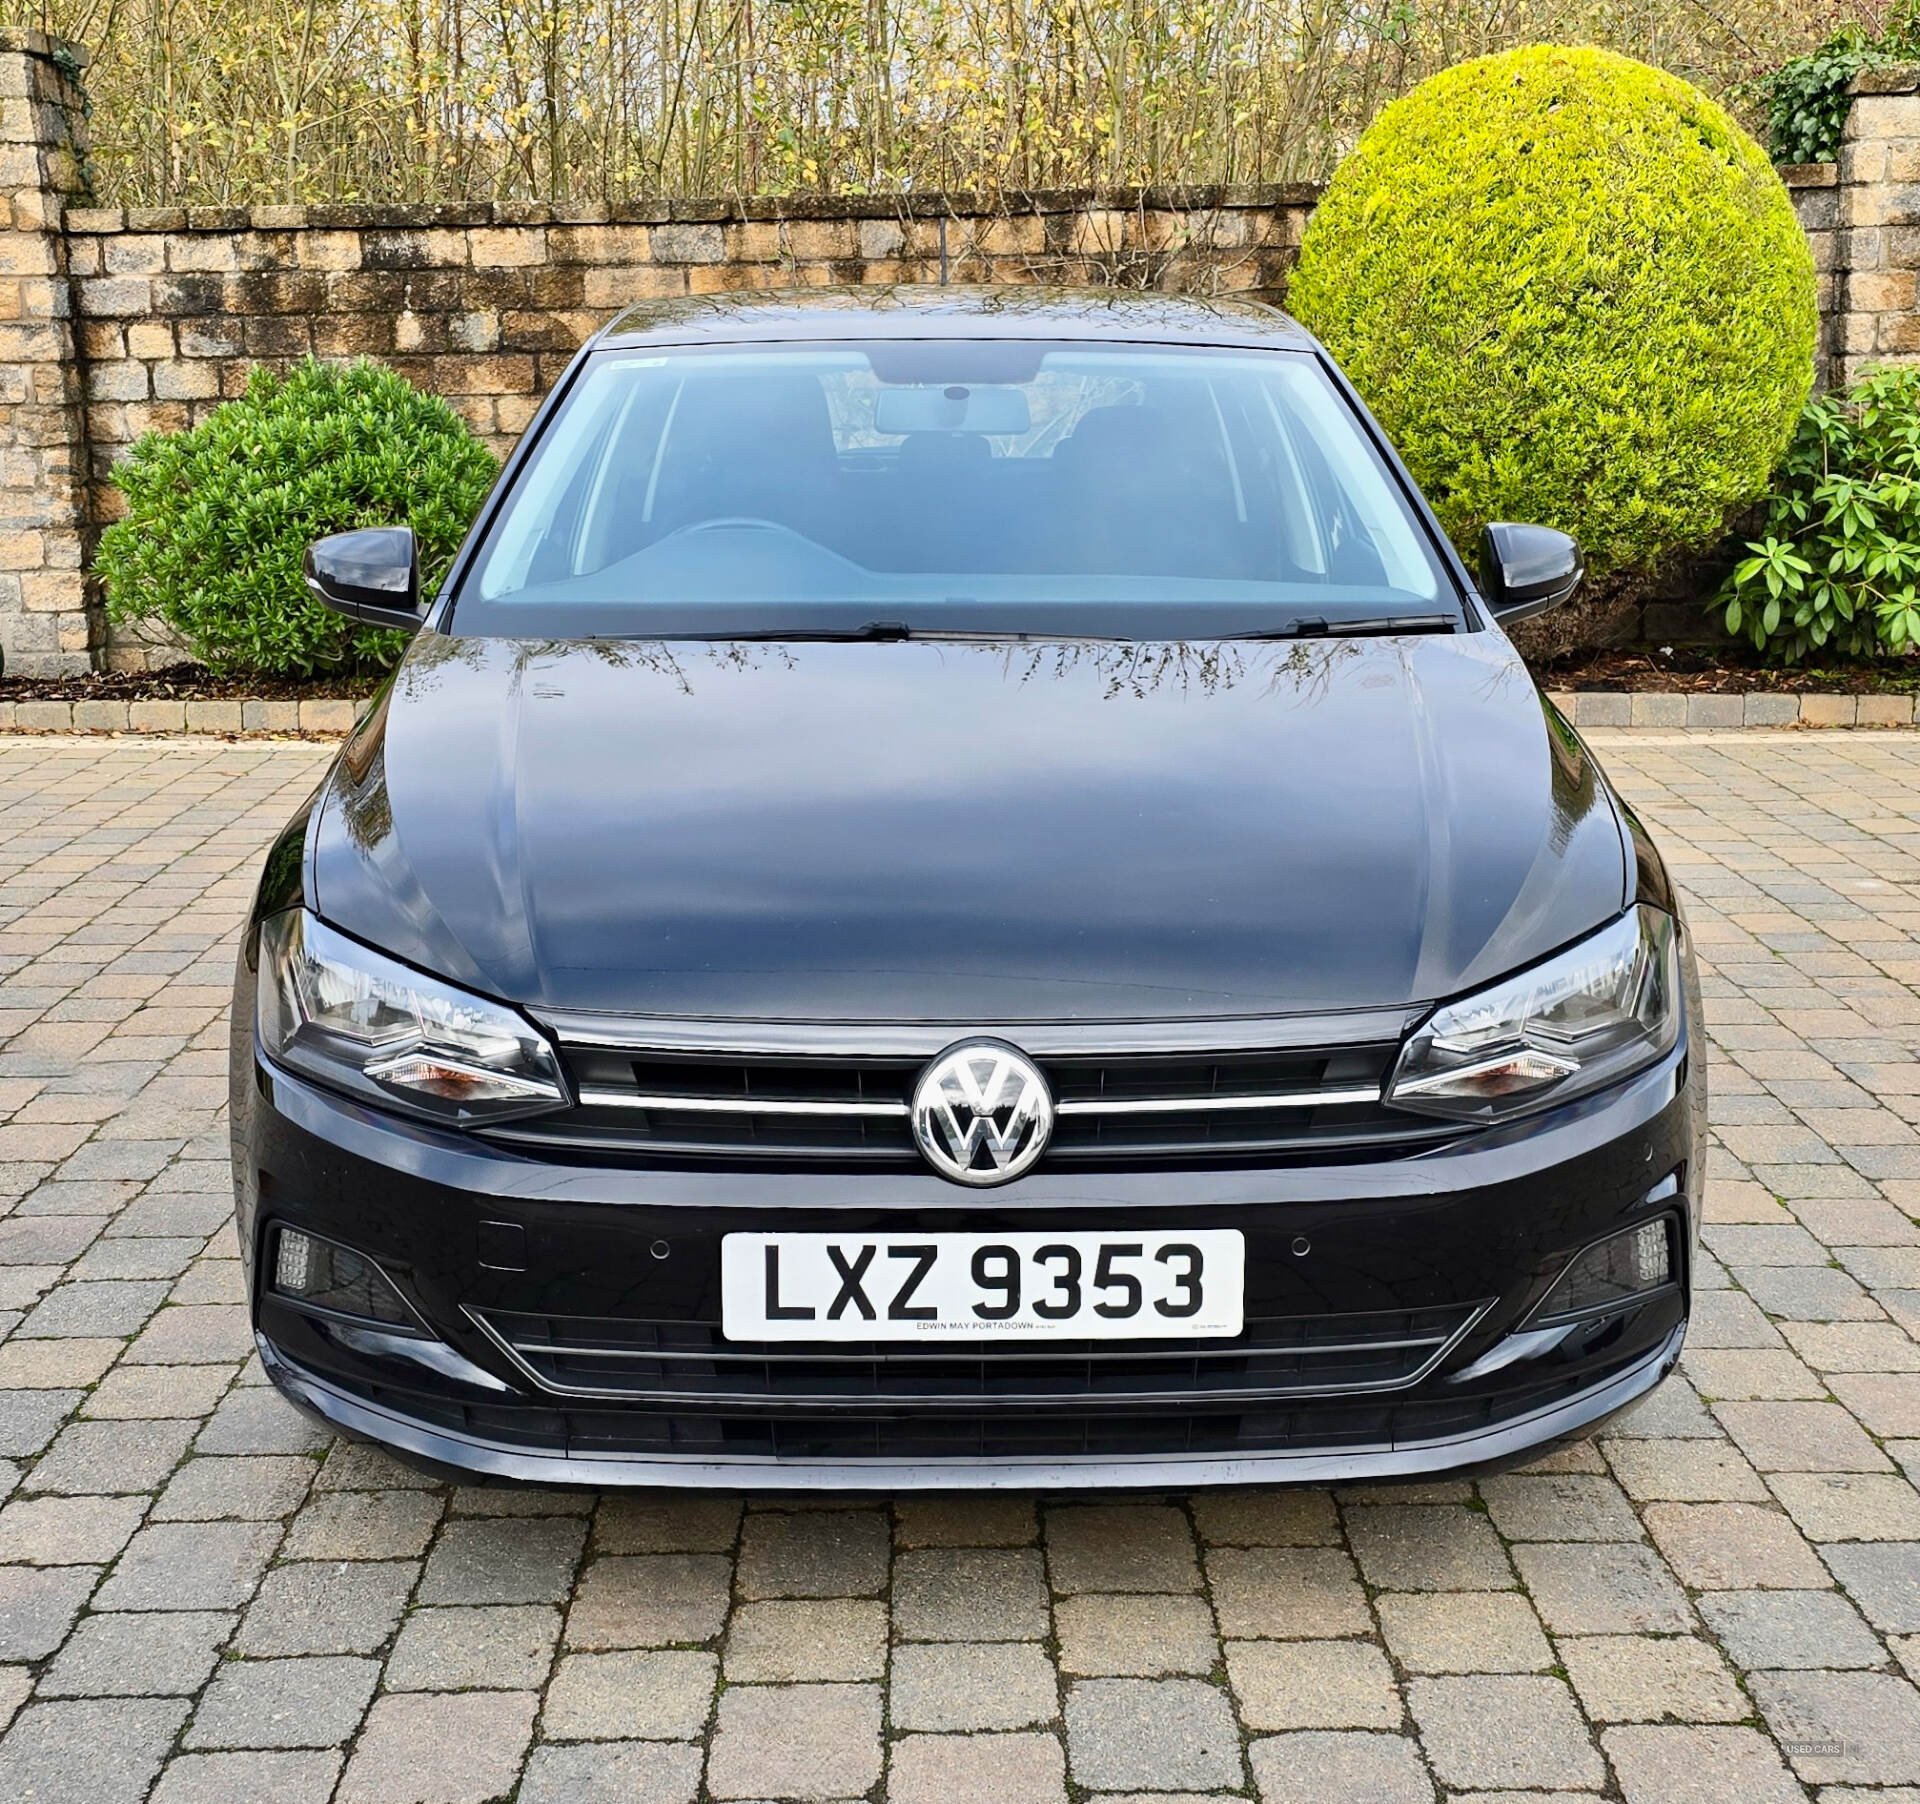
{"type": "Point", "coordinates": [615, 1772]}
{"type": "Point", "coordinates": [1732, 1547]}
{"type": "Point", "coordinates": [283, 1703]}
{"type": "Point", "coordinates": [1843, 1727]}
{"type": "Point", "coordinates": [363, 1525]}
{"type": "Point", "coordinates": [1468, 1631]}
{"type": "Point", "coordinates": [970, 1594]}
{"type": "Point", "coordinates": [1565, 1508]}
{"type": "Point", "coordinates": [1135, 1637]}
{"type": "Point", "coordinates": [1504, 1731]}
{"type": "Point", "coordinates": [257, 1489]}
{"type": "Point", "coordinates": [1266, 1518]}
{"type": "Point", "coordinates": [1312, 1685]}
{"type": "Point", "coordinates": [1120, 1547]}
{"type": "Point", "coordinates": [951, 1685]}
{"type": "Point", "coordinates": [38, 1605]}
{"type": "Point", "coordinates": [1285, 1593]}
{"type": "Point", "coordinates": [814, 1553]}
{"type": "Point", "coordinates": [784, 1641]}
{"type": "Point", "coordinates": [505, 1648]}
{"type": "Point", "coordinates": [1650, 1679]}
{"type": "Point", "coordinates": [985, 1520]}
{"type": "Point", "coordinates": [251, 1778]}
{"type": "Point", "coordinates": [190, 1566]}
{"type": "Point", "coordinates": [112, 1456]}
{"type": "Point", "coordinates": [795, 1741]}
{"type": "Point", "coordinates": [1661, 1765]}
{"type": "Point", "coordinates": [637, 1523]}
{"type": "Point", "coordinates": [1009, 1769]}
{"type": "Point", "coordinates": [503, 1562]}
{"type": "Point", "coordinates": [1318, 1768]}
{"type": "Point", "coordinates": [428, 1748]}
{"type": "Point", "coordinates": [103, 1751]}
{"type": "Point", "coordinates": [1415, 1548]}
{"type": "Point", "coordinates": [336, 1609]}
{"type": "Point", "coordinates": [138, 1655]}
{"type": "Point", "coordinates": [1883, 1579]}
{"type": "Point", "coordinates": [650, 1600]}
{"type": "Point", "coordinates": [651, 1696]}
{"type": "Point", "coordinates": [1583, 1588]}
{"type": "Point", "coordinates": [1161, 1733]}
{"type": "Point", "coordinates": [1786, 1629]}
{"type": "Point", "coordinates": [66, 1531]}
{"type": "Point", "coordinates": [1848, 1506]}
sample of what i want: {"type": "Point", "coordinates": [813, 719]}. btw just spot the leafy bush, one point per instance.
{"type": "Point", "coordinates": [1807, 100]}
{"type": "Point", "coordinates": [1837, 565]}
{"type": "Point", "coordinates": [218, 517]}
{"type": "Point", "coordinates": [1574, 292]}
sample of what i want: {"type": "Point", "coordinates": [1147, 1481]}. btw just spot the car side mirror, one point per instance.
{"type": "Point", "coordinates": [1524, 570]}
{"type": "Point", "coordinates": [372, 575]}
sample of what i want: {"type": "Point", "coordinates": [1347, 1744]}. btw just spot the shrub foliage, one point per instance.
{"type": "Point", "coordinates": [219, 517]}
{"type": "Point", "coordinates": [1837, 563]}
{"type": "Point", "coordinates": [1574, 292]}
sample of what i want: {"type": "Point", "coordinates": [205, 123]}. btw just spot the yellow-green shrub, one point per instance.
{"type": "Point", "coordinates": [1574, 292]}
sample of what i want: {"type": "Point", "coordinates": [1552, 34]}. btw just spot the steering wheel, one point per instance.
{"type": "Point", "coordinates": [721, 522]}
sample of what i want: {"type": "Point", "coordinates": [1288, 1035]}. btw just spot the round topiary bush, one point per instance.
{"type": "Point", "coordinates": [219, 517]}
{"type": "Point", "coordinates": [1574, 292]}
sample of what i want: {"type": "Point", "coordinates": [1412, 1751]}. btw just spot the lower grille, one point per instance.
{"type": "Point", "coordinates": [719, 1109]}
{"type": "Point", "coordinates": [675, 1362]}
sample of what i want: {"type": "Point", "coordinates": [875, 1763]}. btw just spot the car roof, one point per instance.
{"type": "Point", "coordinates": [1132, 316]}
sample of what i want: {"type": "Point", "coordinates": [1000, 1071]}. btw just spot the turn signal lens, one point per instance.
{"type": "Point", "coordinates": [1639, 1260]}
{"type": "Point", "coordinates": [364, 1023]}
{"type": "Point", "coordinates": [1588, 1017]}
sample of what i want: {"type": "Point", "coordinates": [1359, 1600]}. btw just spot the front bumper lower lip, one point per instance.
{"type": "Point", "coordinates": [1508, 1443]}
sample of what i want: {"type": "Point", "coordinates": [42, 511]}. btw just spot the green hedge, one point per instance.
{"type": "Point", "coordinates": [219, 517]}
{"type": "Point", "coordinates": [1574, 292]}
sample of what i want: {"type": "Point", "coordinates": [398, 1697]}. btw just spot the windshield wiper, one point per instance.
{"type": "Point", "coordinates": [1319, 628]}
{"type": "Point", "coordinates": [895, 632]}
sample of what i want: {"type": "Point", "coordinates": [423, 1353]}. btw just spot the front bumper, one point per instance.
{"type": "Point", "coordinates": [1481, 1225]}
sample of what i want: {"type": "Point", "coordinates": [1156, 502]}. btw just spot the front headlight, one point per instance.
{"type": "Point", "coordinates": [1586, 1018]}
{"type": "Point", "coordinates": [341, 1013]}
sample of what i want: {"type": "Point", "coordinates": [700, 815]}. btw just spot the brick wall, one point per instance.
{"type": "Point", "coordinates": [113, 322]}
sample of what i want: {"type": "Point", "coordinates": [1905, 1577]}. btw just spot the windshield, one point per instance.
{"type": "Point", "coordinates": [952, 487]}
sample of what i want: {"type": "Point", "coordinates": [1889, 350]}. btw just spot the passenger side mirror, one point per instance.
{"type": "Point", "coordinates": [372, 575]}
{"type": "Point", "coordinates": [1524, 570]}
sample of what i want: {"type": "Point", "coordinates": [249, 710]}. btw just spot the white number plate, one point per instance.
{"type": "Point", "coordinates": [979, 1287]}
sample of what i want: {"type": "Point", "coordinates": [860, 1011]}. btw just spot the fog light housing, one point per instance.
{"type": "Point", "coordinates": [309, 1270]}
{"type": "Point", "coordinates": [1612, 1272]}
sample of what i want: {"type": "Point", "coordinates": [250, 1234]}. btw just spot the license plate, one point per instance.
{"type": "Point", "coordinates": [981, 1287]}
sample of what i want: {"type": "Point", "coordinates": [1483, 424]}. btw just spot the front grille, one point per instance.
{"type": "Point", "coordinates": [1275, 1356]}
{"type": "Point", "coordinates": [723, 1109]}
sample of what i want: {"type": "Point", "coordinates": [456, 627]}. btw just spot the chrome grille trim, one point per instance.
{"type": "Point", "coordinates": [735, 1105]}
{"type": "Point", "coordinates": [1148, 1105]}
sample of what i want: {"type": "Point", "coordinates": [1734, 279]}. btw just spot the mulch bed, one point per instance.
{"type": "Point", "coordinates": [183, 683]}
{"type": "Point", "coordinates": [1721, 670]}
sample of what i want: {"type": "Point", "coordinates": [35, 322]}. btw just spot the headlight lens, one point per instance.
{"type": "Point", "coordinates": [1590, 1016]}
{"type": "Point", "coordinates": [339, 1012]}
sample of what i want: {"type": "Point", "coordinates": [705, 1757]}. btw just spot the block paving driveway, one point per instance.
{"type": "Point", "coordinates": [203, 1599]}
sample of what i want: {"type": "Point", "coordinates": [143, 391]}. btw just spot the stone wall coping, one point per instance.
{"type": "Point", "coordinates": [70, 56]}
{"type": "Point", "coordinates": [1809, 175]}
{"type": "Point", "coordinates": [1757, 708]}
{"type": "Point", "coordinates": [335, 716]}
{"type": "Point", "coordinates": [736, 209]}
{"type": "Point", "coordinates": [1901, 78]}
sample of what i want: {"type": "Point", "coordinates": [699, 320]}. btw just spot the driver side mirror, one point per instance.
{"type": "Point", "coordinates": [1524, 570]}
{"type": "Point", "coordinates": [372, 575]}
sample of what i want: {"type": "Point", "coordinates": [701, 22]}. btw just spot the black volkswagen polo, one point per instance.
{"type": "Point", "coordinates": [960, 889]}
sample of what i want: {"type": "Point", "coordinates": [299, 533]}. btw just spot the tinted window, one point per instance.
{"type": "Point", "coordinates": [962, 486]}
